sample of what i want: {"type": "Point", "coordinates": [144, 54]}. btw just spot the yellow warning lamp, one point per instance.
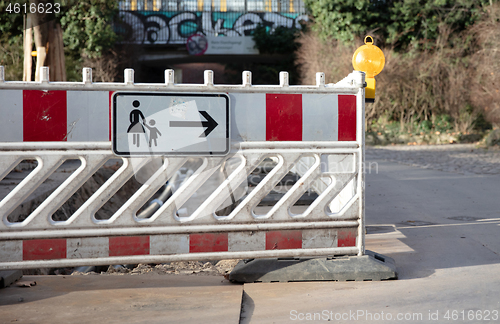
{"type": "Point", "coordinates": [35, 53]}
{"type": "Point", "coordinates": [371, 60]}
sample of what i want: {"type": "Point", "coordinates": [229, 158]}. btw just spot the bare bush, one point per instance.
{"type": "Point", "coordinates": [11, 57]}
{"type": "Point", "coordinates": [424, 85]}
{"type": "Point", "coordinates": [105, 67]}
{"type": "Point", "coordinates": [414, 86]}
{"type": "Point", "coordinates": [109, 66]}
{"type": "Point", "coordinates": [486, 60]}
{"type": "Point", "coordinates": [331, 57]}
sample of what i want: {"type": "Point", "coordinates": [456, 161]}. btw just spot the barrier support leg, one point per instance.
{"type": "Point", "coordinates": [369, 267]}
{"type": "Point", "coordinates": [8, 277]}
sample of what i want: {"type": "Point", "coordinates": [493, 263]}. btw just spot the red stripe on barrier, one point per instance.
{"type": "Point", "coordinates": [44, 116]}
{"type": "Point", "coordinates": [283, 117]}
{"type": "Point", "coordinates": [347, 118]}
{"type": "Point", "coordinates": [128, 245]}
{"type": "Point", "coordinates": [346, 239]}
{"type": "Point", "coordinates": [208, 242]}
{"type": "Point", "coordinates": [44, 249]}
{"type": "Point", "coordinates": [110, 112]}
{"type": "Point", "coordinates": [279, 240]}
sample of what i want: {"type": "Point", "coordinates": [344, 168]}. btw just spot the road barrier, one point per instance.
{"type": "Point", "coordinates": [314, 131]}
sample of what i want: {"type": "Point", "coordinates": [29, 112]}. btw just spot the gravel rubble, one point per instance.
{"type": "Point", "coordinates": [456, 158]}
{"type": "Point", "coordinates": [220, 268]}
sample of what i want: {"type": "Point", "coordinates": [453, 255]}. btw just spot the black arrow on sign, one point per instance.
{"type": "Point", "coordinates": [210, 124]}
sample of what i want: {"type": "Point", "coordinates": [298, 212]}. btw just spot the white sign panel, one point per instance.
{"type": "Point", "coordinates": [170, 124]}
{"type": "Point", "coordinates": [243, 45]}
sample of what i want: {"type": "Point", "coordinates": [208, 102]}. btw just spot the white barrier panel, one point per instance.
{"type": "Point", "coordinates": [315, 132]}
{"type": "Point", "coordinates": [85, 116]}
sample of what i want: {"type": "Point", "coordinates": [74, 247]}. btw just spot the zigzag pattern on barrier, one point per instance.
{"type": "Point", "coordinates": [93, 159]}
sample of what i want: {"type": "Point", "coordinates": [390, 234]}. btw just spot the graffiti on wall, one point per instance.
{"type": "Point", "coordinates": [161, 28]}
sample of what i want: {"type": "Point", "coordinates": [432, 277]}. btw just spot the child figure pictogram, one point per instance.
{"type": "Point", "coordinates": [153, 132]}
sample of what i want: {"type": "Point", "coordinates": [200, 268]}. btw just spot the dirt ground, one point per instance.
{"type": "Point", "coordinates": [220, 268]}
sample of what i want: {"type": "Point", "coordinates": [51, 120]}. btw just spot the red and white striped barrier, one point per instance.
{"type": "Point", "coordinates": [293, 117]}
{"type": "Point", "coordinates": [116, 246]}
{"type": "Point", "coordinates": [84, 116]}
{"type": "Point", "coordinates": [320, 125]}
{"type": "Point", "coordinates": [56, 115]}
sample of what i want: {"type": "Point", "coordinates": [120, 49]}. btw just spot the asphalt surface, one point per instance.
{"type": "Point", "coordinates": [442, 229]}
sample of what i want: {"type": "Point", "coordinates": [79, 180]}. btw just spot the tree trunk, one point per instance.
{"type": "Point", "coordinates": [27, 46]}
{"type": "Point", "coordinates": [41, 38]}
{"type": "Point", "coordinates": [49, 45]}
{"type": "Point", "coordinates": [55, 59]}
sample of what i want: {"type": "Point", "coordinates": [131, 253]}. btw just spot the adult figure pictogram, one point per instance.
{"type": "Point", "coordinates": [136, 128]}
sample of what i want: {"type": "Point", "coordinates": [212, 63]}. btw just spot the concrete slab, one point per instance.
{"type": "Point", "coordinates": [122, 299]}
{"type": "Point", "coordinates": [458, 289]}
{"type": "Point", "coordinates": [442, 231]}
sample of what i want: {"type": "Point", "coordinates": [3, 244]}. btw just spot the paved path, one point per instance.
{"type": "Point", "coordinates": [122, 299]}
{"type": "Point", "coordinates": [459, 158]}
{"type": "Point", "coordinates": [441, 228]}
